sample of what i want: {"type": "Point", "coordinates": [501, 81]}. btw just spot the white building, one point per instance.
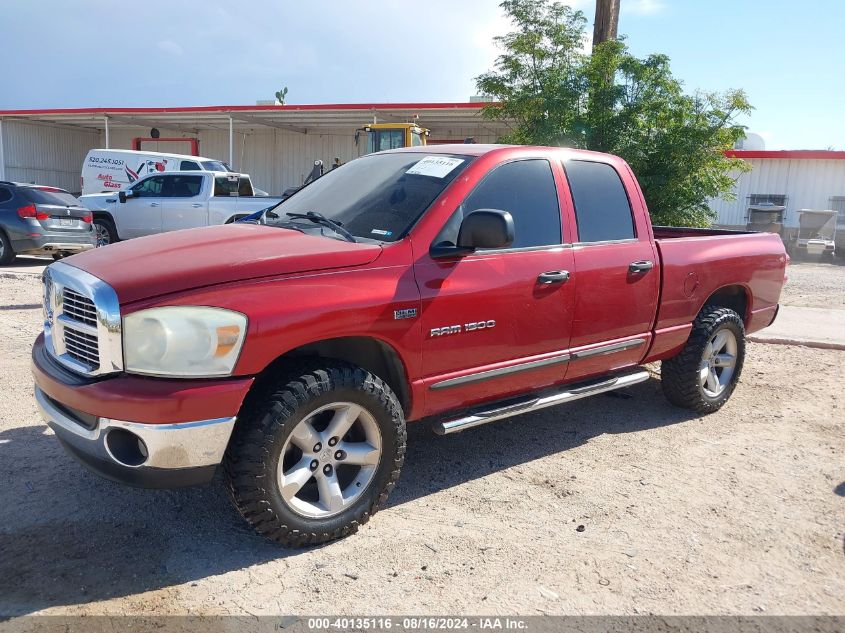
{"type": "Point", "coordinates": [276, 145]}
{"type": "Point", "coordinates": [798, 179]}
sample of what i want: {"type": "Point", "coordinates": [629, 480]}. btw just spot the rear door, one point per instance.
{"type": "Point", "coordinates": [493, 324]}
{"type": "Point", "coordinates": [184, 205]}
{"type": "Point", "coordinates": [616, 267]}
{"type": "Point", "coordinates": [141, 214]}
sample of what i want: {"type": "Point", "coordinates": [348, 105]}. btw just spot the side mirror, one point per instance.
{"type": "Point", "coordinates": [486, 228]}
{"type": "Point", "coordinates": [123, 195]}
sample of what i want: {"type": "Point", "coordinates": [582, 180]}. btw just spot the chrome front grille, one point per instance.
{"type": "Point", "coordinates": [81, 321]}
{"type": "Point", "coordinates": [82, 346]}
{"type": "Point", "coordinates": [79, 308]}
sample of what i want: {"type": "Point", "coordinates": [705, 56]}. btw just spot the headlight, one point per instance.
{"type": "Point", "coordinates": [183, 341]}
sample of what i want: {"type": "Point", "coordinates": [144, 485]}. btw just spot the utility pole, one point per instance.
{"type": "Point", "coordinates": [607, 21]}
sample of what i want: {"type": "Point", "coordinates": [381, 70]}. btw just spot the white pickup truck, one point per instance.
{"type": "Point", "coordinates": [171, 201]}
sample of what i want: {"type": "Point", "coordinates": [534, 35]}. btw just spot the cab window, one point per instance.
{"type": "Point", "coordinates": [380, 140]}
{"type": "Point", "coordinates": [602, 209]}
{"type": "Point", "coordinates": [182, 186]}
{"type": "Point", "coordinates": [149, 188]}
{"type": "Point", "coordinates": [188, 165]}
{"type": "Point", "coordinates": [525, 189]}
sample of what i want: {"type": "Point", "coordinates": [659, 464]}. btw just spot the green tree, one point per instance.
{"type": "Point", "coordinates": [552, 92]}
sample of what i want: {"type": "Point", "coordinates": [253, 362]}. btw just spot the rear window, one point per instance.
{"type": "Point", "coordinates": [40, 196]}
{"type": "Point", "coordinates": [188, 165]}
{"type": "Point", "coordinates": [601, 204]}
{"type": "Point", "coordinates": [232, 186]}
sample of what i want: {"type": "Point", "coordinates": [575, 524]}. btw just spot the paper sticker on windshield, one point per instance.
{"type": "Point", "coordinates": [381, 232]}
{"type": "Point", "coordinates": [435, 166]}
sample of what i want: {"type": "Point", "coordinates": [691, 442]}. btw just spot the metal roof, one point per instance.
{"type": "Point", "coordinates": [294, 117]}
{"type": "Point", "coordinates": [805, 154]}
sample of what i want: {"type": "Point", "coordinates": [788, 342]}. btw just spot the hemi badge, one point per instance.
{"type": "Point", "coordinates": [408, 313]}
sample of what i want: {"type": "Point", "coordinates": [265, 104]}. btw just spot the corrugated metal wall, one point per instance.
{"type": "Point", "coordinates": [807, 184]}
{"type": "Point", "coordinates": [277, 159]}
{"type": "Point", "coordinates": [45, 153]}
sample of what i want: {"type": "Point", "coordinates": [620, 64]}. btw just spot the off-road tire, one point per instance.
{"type": "Point", "coordinates": [108, 226]}
{"type": "Point", "coordinates": [270, 413]}
{"type": "Point", "coordinates": [680, 374]}
{"type": "Point", "coordinates": [7, 255]}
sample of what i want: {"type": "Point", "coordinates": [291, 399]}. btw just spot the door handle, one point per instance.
{"type": "Point", "coordinates": [153, 204]}
{"type": "Point", "coordinates": [641, 266]}
{"type": "Point", "coordinates": [196, 205]}
{"type": "Point", "coordinates": [553, 277]}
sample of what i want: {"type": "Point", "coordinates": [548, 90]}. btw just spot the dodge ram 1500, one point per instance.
{"type": "Point", "coordinates": [461, 284]}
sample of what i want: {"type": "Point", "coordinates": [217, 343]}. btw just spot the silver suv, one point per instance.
{"type": "Point", "coordinates": [39, 220]}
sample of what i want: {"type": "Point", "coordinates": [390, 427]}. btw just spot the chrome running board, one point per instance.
{"type": "Point", "coordinates": [570, 393]}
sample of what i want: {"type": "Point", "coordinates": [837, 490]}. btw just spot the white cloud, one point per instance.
{"type": "Point", "coordinates": [170, 47]}
{"type": "Point", "coordinates": [643, 7]}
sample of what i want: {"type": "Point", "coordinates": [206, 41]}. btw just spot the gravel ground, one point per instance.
{"type": "Point", "coordinates": [815, 285]}
{"type": "Point", "coordinates": [619, 504]}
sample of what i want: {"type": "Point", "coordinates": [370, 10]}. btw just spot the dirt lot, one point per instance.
{"type": "Point", "coordinates": [741, 512]}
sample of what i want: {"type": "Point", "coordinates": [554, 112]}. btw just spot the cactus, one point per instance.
{"type": "Point", "coordinates": [281, 94]}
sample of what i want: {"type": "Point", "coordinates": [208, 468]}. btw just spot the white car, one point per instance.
{"type": "Point", "coordinates": [108, 170]}
{"type": "Point", "coordinates": [171, 201]}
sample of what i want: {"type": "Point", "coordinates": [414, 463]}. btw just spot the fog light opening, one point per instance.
{"type": "Point", "coordinates": [126, 448]}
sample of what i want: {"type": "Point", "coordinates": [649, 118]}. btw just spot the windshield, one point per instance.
{"type": "Point", "coordinates": [376, 197]}
{"type": "Point", "coordinates": [214, 165]}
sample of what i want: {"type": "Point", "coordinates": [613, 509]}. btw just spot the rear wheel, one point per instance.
{"type": "Point", "coordinates": [316, 453]}
{"type": "Point", "coordinates": [703, 376]}
{"type": "Point", "coordinates": [105, 231]}
{"type": "Point", "coordinates": [7, 255]}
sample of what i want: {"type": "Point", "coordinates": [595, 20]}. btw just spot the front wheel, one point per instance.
{"type": "Point", "coordinates": [315, 453]}
{"type": "Point", "coordinates": [703, 376]}
{"type": "Point", "coordinates": [105, 231]}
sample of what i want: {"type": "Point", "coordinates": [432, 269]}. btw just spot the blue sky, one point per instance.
{"type": "Point", "coordinates": [787, 55]}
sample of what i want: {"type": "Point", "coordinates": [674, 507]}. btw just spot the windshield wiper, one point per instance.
{"type": "Point", "coordinates": [319, 218]}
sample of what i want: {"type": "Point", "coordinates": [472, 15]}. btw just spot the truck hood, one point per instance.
{"type": "Point", "coordinates": [171, 262]}
{"type": "Point", "coordinates": [98, 201]}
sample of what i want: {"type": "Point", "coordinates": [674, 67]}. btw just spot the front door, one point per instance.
{"type": "Point", "coordinates": [497, 322]}
{"type": "Point", "coordinates": [141, 214]}
{"type": "Point", "coordinates": [183, 205]}
{"type": "Point", "coordinates": [617, 272]}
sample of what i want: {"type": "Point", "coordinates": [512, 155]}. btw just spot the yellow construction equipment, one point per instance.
{"type": "Point", "coordinates": [382, 136]}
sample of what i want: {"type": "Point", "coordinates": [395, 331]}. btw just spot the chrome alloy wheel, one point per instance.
{"type": "Point", "coordinates": [718, 363]}
{"type": "Point", "coordinates": [329, 460]}
{"type": "Point", "coordinates": [102, 234]}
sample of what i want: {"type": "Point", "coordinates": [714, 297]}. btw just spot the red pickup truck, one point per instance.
{"type": "Point", "coordinates": [461, 284]}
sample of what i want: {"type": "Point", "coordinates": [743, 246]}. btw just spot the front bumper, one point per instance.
{"type": "Point", "coordinates": [137, 454]}
{"type": "Point", "coordinates": [183, 426]}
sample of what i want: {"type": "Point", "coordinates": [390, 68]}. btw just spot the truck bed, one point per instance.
{"type": "Point", "coordinates": [676, 232]}
{"type": "Point", "coordinates": [696, 263]}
